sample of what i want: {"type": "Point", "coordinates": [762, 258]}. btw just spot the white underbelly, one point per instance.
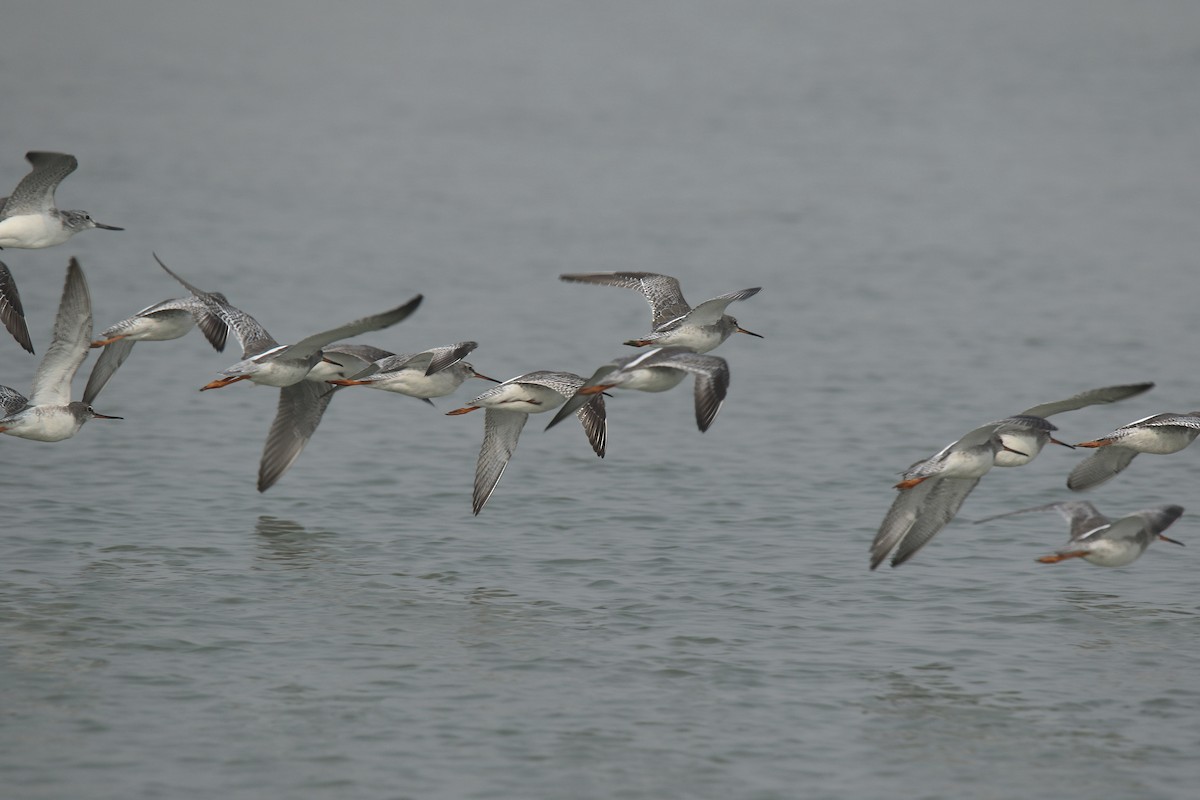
{"type": "Point", "coordinates": [415, 383]}
{"type": "Point", "coordinates": [45, 426]}
{"type": "Point", "coordinates": [1160, 441]}
{"type": "Point", "coordinates": [32, 231]}
{"type": "Point", "coordinates": [973, 463]}
{"type": "Point", "coordinates": [163, 326]}
{"type": "Point", "coordinates": [655, 379]}
{"type": "Point", "coordinates": [529, 399]}
{"type": "Point", "coordinates": [701, 340]}
{"type": "Point", "coordinates": [1112, 554]}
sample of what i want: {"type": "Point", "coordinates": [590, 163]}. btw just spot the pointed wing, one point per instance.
{"type": "Point", "coordinates": [1097, 468]}
{"type": "Point", "coordinates": [11, 401]}
{"type": "Point", "coordinates": [501, 430]}
{"type": "Point", "coordinates": [940, 506]}
{"type": "Point", "coordinates": [111, 358]}
{"type": "Point", "coordinates": [900, 518]}
{"type": "Point", "coordinates": [575, 400]}
{"type": "Point", "coordinates": [11, 312]}
{"type": "Point", "coordinates": [211, 325]}
{"type": "Point", "coordinates": [1091, 397]}
{"type": "Point", "coordinates": [252, 336]}
{"type": "Point", "coordinates": [711, 311]}
{"type": "Point", "coordinates": [662, 292]}
{"type": "Point", "coordinates": [442, 357]}
{"type": "Point", "coordinates": [711, 372]}
{"type": "Point", "coordinates": [595, 424]}
{"type": "Point", "coordinates": [710, 396]}
{"type": "Point", "coordinates": [35, 193]}
{"type": "Point", "coordinates": [311, 344]}
{"type": "Point", "coordinates": [300, 409]}
{"type": "Point", "coordinates": [72, 337]}
{"type": "Point", "coordinates": [712, 380]}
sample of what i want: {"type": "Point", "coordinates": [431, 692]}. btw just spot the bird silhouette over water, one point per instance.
{"type": "Point", "coordinates": [431, 373]}
{"type": "Point", "coordinates": [266, 362]}
{"type": "Point", "coordinates": [509, 405]}
{"type": "Point", "coordinates": [49, 414]}
{"type": "Point", "coordinates": [1160, 434]}
{"type": "Point", "coordinates": [675, 323]}
{"type": "Point", "coordinates": [29, 219]}
{"type": "Point", "coordinates": [169, 319]}
{"type": "Point", "coordinates": [933, 490]}
{"type": "Point", "coordinates": [658, 370]}
{"type": "Point", "coordinates": [1101, 541]}
{"type": "Point", "coordinates": [923, 508]}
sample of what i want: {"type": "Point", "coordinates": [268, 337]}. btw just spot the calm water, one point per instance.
{"type": "Point", "coordinates": [956, 210]}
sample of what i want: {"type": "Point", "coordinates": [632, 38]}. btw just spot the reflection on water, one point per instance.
{"type": "Point", "coordinates": [482, 595]}
{"type": "Point", "coordinates": [930, 716]}
{"type": "Point", "coordinates": [290, 544]}
{"type": "Point", "coordinates": [1104, 624]}
{"type": "Point", "coordinates": [1117, 608]}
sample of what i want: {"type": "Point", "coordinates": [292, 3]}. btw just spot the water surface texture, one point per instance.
{"type": "Point", "coordinates": [955, 210]}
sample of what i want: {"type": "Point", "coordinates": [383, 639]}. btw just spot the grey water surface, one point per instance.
{"type": "Point", "coordinates": [956, 210]}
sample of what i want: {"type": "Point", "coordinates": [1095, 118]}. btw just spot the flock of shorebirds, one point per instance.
{"type": "Point", "coordinates": [310, 372]}
{"type": "Point", "coordinates": [931, 491]}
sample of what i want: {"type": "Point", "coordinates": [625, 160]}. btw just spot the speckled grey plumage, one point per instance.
{"type": "Point", "coordinates": [49, 414]}
{"type": "Point", "coordinates": [711, 379]}
{"type": "Point", "coordinates": [162, 321]}
{"type": "Point", "coordinates": [34, 197]}
{"type": "Point", "coordinates": [508, 406]}
{"type": "Point", "coordinates": [1160, 434]}
{"type": "Point", "coordinates": [673, 321]}
{"type": "Point", "coordinates": [12, 313]}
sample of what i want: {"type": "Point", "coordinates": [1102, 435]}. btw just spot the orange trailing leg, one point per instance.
{"type": "Point", "coordinates": [908, 484]}
{"type": "Point", "coordinates": [219, 382]}
{"type": "Point", "coordinates": [1057, 557]}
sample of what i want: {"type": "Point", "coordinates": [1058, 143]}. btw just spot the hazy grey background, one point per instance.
{"type": "Point", "coordinates": [955, 210]}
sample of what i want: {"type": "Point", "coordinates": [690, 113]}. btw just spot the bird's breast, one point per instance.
{"type": "Point", "coordinates": [32, 231]}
